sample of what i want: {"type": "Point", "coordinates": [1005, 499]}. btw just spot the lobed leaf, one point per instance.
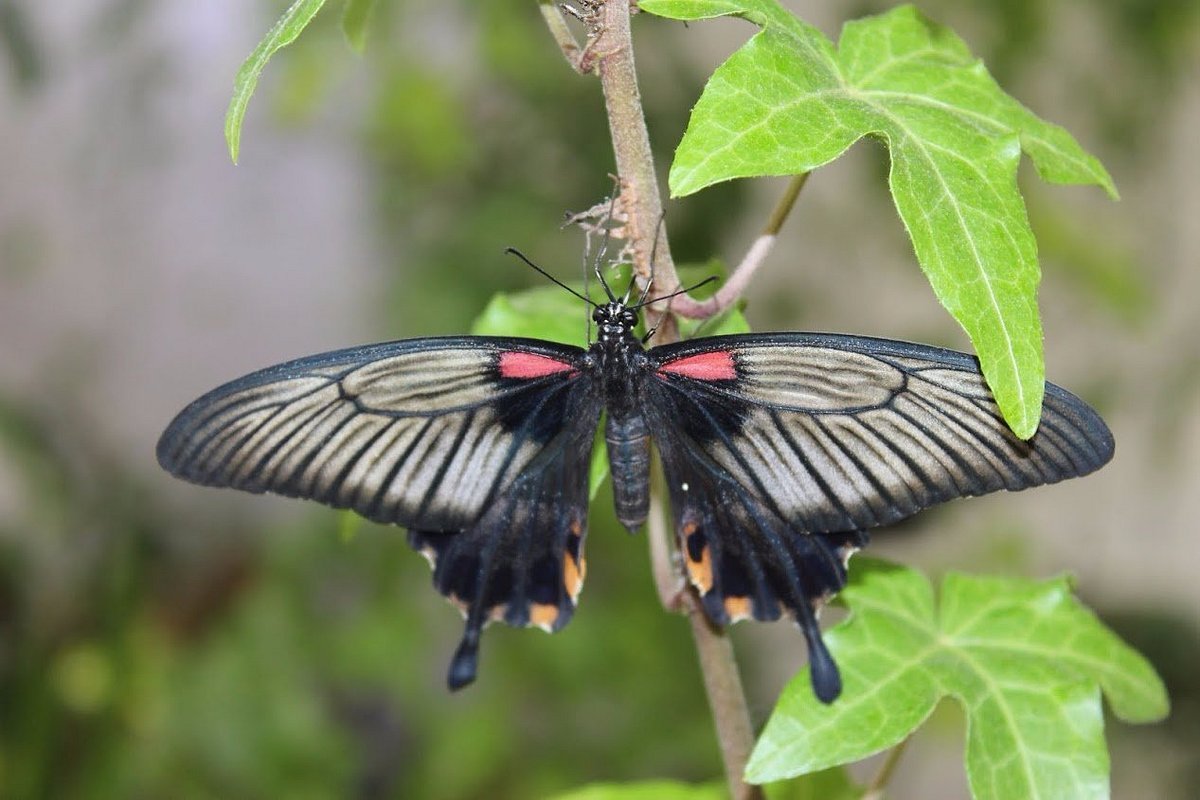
{"type": "Point", "coordinates": [283, 33]}
{"type": "Point", "coordinates": [1026, 661]}
{"type": "Point", "coordinates": [355, 19]}
{"type": "Point", "coordinates": [790, 101]}
{"type": "Point", "coordinates": [648, 790]}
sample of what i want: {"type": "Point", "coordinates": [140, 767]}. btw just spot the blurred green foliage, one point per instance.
{"type": "Point", "coordinates": [295, 663]}
{"type": "Point", "coordinates": [146, 651]}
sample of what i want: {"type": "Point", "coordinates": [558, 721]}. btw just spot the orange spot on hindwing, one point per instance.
{"type": "Point", "coordinates": [738, 608]}
{"type": "Point", "coordinates": [697, 557]}
{"type": "Point", "coordinates": [574, 564]}
{"type": "Point", "coordinates": [543, 615]}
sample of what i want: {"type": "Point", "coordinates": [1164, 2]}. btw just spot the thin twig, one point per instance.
{"type": "Point", "coordinates": [562, 34]}
{"type": "Point", "coordinates": [728, 294]}
{"type": "Point", "coordinates": [880, 781]}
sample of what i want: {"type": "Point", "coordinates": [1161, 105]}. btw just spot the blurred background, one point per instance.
{"type": "Point", "coordinates": [162, 640]}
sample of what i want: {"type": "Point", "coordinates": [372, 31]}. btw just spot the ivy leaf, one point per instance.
{"type": "Point", "coordinates": [833, 784]}
{"type": "Point", "coordinates": [283, 33]}
{"type": "Point", "coordinates": [545, 312]}
{"type": "Point", "coordinates": [1025, 659]}
{"type": "Point", "coordinates": [828, 784]}
{"type": "Point", "coordinates": [647, 790]}
{"type": "Point", "coordinates": [790, 101]}
{"type": "Point", "coordinates": [355, 19]}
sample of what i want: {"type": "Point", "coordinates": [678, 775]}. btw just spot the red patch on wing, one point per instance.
{"type": "Point", "coordinates": [516, 364]}
{"type": "Point", "coordinates": [716, 365]}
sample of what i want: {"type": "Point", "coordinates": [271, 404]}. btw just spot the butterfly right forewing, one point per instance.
{"type": "Point", "coordinates": [479, 445]}
{"type": "Point", "coordinates": [422, 432]}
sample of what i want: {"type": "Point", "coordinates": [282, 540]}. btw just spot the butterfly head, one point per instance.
{"type": "Point", "coordinates": [615, 320]}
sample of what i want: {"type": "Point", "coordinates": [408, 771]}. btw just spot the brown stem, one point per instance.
{"type": "Point", "coordinates": [667, 578]}
{"type": "Point", "coordinates": [610, 51]}
{"type": "Point", "coordinates": [613, 51]}
{"type": "Point", "coordinates": [726, 698]}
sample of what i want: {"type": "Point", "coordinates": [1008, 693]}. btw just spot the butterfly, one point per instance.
{"type": "Point", "coordinates": [779, 451]}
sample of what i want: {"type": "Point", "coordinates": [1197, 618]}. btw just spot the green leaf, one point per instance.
{"type": "Point", "coordinates": [283, 33]}
{"type": "Point", "coordinates": [648, 790]}
{"type": "Point", "coordinates": [828, 784]}
{"type": "Point", "coordinates": [355, 19]}
{"type": "Point", "coordinates": [1025, 659]}
{"type": "Point", "coordinates": [546, 312]}
{"type": "Point", "coordinates": [788, 102]}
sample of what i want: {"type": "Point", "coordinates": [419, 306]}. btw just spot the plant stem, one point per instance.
{"type": "Point", "coordinates": [610, 52]}
{"type": "Point", "coordinates": [740, 278]}
{"type": "Point", "coordinates": [562, 34]}
{"type": "Point", "coordinates": [613, 50]}
{"type": "Point", "coordinates": [879, 782]}
{"type": "Point", "coordinates": [726, 698]}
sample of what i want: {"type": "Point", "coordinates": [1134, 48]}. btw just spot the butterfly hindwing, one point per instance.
{"type": "Point", "coordinates": [780, 449]}
{"type": "Point", "coordinates": [745, 560]}
{"type": "Point", "coordinates": [479, 445]}
{"type": "Point", "coordinates": [522, 562]}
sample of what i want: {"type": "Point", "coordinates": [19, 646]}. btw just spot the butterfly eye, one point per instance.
{"type": "Point", "coordinates": [598, 314]}
{"type": "Point", "coordinates": [629, 318]}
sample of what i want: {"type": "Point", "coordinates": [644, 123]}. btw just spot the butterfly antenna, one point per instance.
{"type": "Point", "coordinates": [603, 251]}
{"type": "Point", "coordinates": [515, 252]}
{"type": "Point", "coordinates": [587, 318]}
{"type": "Point", "coordinates": [641, 301]}
{"type": "Point", "coordinates": [650, 333]}
{"type": "Point", "coordinates": [675, 293]}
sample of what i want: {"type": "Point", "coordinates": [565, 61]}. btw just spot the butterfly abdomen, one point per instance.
{"type": "Point", "coordinates": [628, 443]}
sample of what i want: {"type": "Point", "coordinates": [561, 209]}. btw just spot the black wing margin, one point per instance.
{"type": "Point", "coordinates": [479, 445]}
{"type": "Point", "coordinates": [781, 449]}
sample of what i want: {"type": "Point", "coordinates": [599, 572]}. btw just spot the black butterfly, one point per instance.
{"type": "Point", "coordinates": [779, 450]}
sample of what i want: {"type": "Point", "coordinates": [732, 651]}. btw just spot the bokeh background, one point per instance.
{"type": "Point", "coordinates": [161, 640]}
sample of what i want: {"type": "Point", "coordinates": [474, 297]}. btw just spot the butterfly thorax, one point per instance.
{"type": "Point", "coordinates": [620, 360]}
